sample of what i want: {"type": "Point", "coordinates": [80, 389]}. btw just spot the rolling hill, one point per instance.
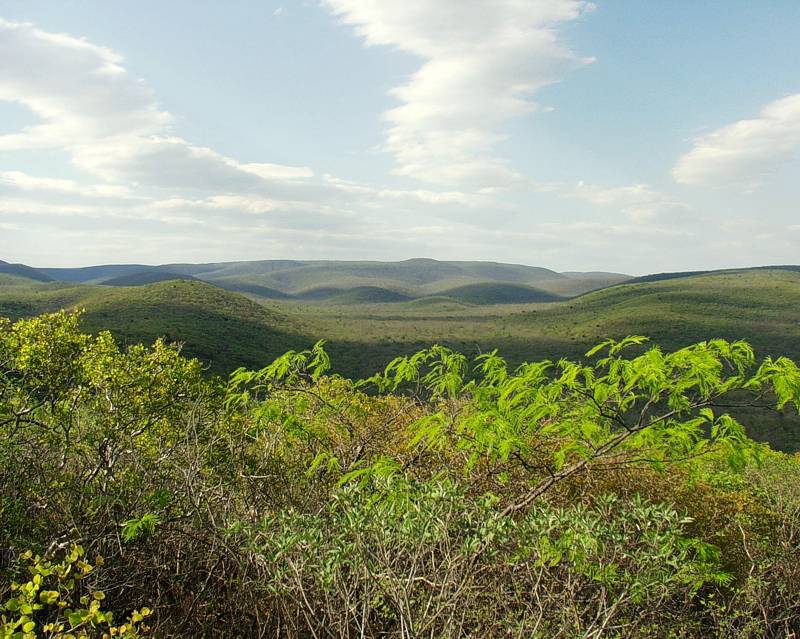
{"type": "Point", "coordinates": [225, 330]}
{"type": "Point", "coordinates": [365, 329]}
{"type": "Point", "coordinates": [355, 295]}
{"type": "Point", "coordinates": [760, 306]}
{"type": "Point", "coordinates": [26, 272]}
{"type": "Point", "coordinates": [498, 293]}
{"type": "Point", "coordinates": [139, 278]}
{"type": "Point", "coordinates": [324, 280]}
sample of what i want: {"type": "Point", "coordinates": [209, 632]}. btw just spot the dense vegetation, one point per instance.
{"type": "Point", "coordinates": [225, 330]}
{"type": "Point", "coordinates": [442, 497]}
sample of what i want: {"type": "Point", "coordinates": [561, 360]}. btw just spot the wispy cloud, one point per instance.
{"type": "Point", "coordinates": [640, 202]}
{"type": "Point", "coordinates": [109, 123]}
{"type": "Point", "coordinates": [745, 152]}
{"type": "Point", "coordinates": [20, 181]}
{"type": "Point", "coordinates": [482, 62]}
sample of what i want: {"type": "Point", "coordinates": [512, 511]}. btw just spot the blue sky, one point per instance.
{"type": "Point", "coordinates": [619, 135]}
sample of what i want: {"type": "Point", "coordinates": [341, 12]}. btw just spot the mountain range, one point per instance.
{"type": "Point", "coordinates": [348, 282]}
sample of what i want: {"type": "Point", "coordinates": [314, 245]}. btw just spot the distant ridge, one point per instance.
{"type": "Point", "coordinates": [364, 282]}
{"type": "Point", "coordinates": [358, 281]}
{"type": "Point", "coordinates": [660, 277]}
{"type": "Point", "coordinates": [146, 277]}
{"type": "Point", "coordinates": [95, 274]}
{"type": "Point", "coordinates": [20, 270]}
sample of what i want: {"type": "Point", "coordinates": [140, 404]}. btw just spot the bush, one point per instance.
{"type": "Point", "coordinates": [49, 604]}
{"type": "Point", "coordinates": [613, 497]}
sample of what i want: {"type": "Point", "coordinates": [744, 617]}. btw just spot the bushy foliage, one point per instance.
{"type": "Point", "coordinates": [49, 604]}
{"type": "Point", "coordinates": [610, 497]}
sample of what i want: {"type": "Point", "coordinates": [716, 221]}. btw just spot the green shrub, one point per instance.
{"type": "Point", "coordinates": [613, 496]}
{"type": "Point", "coordinates": [50, 603]}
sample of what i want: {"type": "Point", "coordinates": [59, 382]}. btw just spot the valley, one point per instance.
{"type": "Point", "coordinates": [227, 329]}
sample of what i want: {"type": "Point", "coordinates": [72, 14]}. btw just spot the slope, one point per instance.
{"type": "Point", "coordinates": [22, 271]}
{"type": "Point", "coordinates": [498, 293]}
{"type": "Point", "coordinates": [228, 330]}
{"type": "Point", "coordinates": [139, 278]}
{"type": "Point", "coordinates": [224, 329]}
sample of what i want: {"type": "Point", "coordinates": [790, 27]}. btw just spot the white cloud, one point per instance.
{"type": "Point", "coordinates": [143, 193]}
{"type": "Point", "coordinates": [24, 209]}
{"type": "Point", "coordinates": [108, 122]}
{"type": "Point", "coordinates": [24, 182]}
{"type": "Point", "coordinates": [78, 89]}
{"type": "Point", "coordinates": [277, 171]}
{"type": "Point", "coordinates": [746, 151]}
{"type": "Point", "coordinates": [482, 62]}
{"type": "Point", "coordinates": [112, 128]}
{"type": "Point", "coordinates": [640, 202]}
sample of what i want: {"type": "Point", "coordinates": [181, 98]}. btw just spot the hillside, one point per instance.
{"type": "Point", "coordinates": [224, 329]}
{"type": "Point", "coordinates": [364, 295]}
{"type": "Point", "coordinates": [140, 278]}
{"type": "Point", "coordinates": [20, 270]}
{"type": "Point", "coordinates": [761, 306]}
{"type": "Point", "coordinates": [658, 277]}
{"type": "Point", "coordinates": [496, 293]}
{"type": "Point", "coordinates": [365, 330]}
{"type": "Point", "coordinates": [284, 279]}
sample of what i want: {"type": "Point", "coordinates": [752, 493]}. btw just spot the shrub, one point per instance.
{"type": "Point", "coordinates": [50, 603]}
{"type": "Point", "coordinates": [614, 496]}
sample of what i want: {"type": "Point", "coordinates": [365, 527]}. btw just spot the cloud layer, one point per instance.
{"type": "Point", "coordinates": [126, 186]}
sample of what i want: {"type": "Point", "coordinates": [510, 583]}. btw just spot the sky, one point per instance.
{"type": "Point", "coordinates": [615, 135]}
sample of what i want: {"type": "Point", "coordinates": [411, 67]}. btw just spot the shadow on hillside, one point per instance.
{"type": "Point", "coordinates": [224, 343]}
{"type": "Point", "coordinates": [781, 429]}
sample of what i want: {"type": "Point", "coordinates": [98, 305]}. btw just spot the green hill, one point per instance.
{"type": "Point", "coordinates": [760, 306]}
{"type": "Point", "coordinates": [146, 277]}
{"type": "Point", "coordinates": [224, 329]}
{"type": "Point", "coordinates": [256, 290]}
{"type": "Point", "coordinates": [276, 279]}
{"type": "Point", "coordinates": [658, 277]}
{"type": "Point", "coordinates": [368, 295]}
{"type": "Point", "coordinates": [6, 279]}
{"type": "Point", "coordinates": [497, 293]}
{"type": "Point", "coordinates": [365, 329]}
{"type": "Point", "coordinates": [26, 272]}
